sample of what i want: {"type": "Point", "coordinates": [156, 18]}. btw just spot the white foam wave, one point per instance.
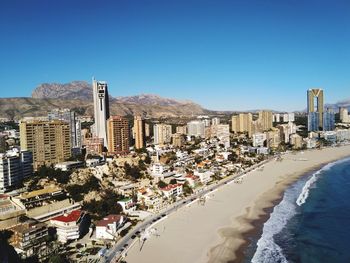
{"type": "Point", "coordinates": [305, 191]}
{"type": "Point", "coordinates": [267, 250]}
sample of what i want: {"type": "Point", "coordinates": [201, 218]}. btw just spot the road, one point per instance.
{"type": "Point", "coordinates": [123, 245]}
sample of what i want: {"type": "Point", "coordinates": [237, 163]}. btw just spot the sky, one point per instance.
{"type": "Point", "coordinates": [222, 54]}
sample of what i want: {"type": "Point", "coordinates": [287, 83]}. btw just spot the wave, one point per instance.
{"type": "Point", "coordinates": [267, 249]}
{"type": "Point", "coordinates": [305, 191]}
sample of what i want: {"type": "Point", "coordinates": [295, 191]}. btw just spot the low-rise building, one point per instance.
{"type": "Point", "coordinates": [296, 141]}
{"type": "Point", "coordinates": [107, 227]}
{"type": "Point", "coordinates": [29, 238]}
{"type": "Point", "coordinates": [204, 176]}
{"type": "Point", "coordinates": [10, 211]}
{"type": "Point", "coordinates": [70, 226]}
{"type": "Point", "coordinates": [172, 190]}
{"type": "Point", "coordinates": [259, 139]}
{"type": "Point", "coordinates": [127, 204]}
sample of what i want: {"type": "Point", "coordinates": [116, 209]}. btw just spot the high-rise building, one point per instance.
{"type": "Point", "coordinates": [181, 129]}
{"type": "Point", "coordinates": [162, 133]}
{"type": "Point", "coordinates": [265, 119]}
{"type": "Point", "coordinates": [196, 128]}
{"type": "Point", "coordinates": [70, 117]}
{"type": "Point", "coordinates": [101, 110]}
{"type": "Point", "coordinates": [49, 141]}
{"type": "Point", "coordinates": [235, 124]}
{"type": "Point", "coordinates": [118, 135]}
{"type": "Point", "coordinates": [289, 117]}
{"type": "Point", "coordinates": [328, 120]}
{"type": "Point", "coordinates": [344, 115]}
{"type": "Point", "coordinates": [222, 132]}
{"type": "Point", "coordinates": [148, 130]}
{"type": "Point", "coordinates": [286, 130]}
{"type": "Point", "coordinates": [14, 167]}
{"type": "Point", "coordinates": [242, 123]}
{"type": "Point", "coordinates": [315, 100]}
{"type": "Point", "coordinates": [139, 132]}
{"type": "Point", "coordinates": [215, 121]}
{"type": "Point", "coordinates": [277, 118]}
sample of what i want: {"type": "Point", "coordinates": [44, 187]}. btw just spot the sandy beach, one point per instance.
{"type": "Point", "coordinates": [217, 230]}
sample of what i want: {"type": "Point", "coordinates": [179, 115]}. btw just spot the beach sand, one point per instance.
{"type": "Point", "coordinates": [217, 231]}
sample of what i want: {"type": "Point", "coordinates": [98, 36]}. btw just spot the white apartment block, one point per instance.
{"type": "Point", "coordinates": [14, 167]}
{"type": "Point", "coordinates": [196, 128]}
{"type": "Point", "coordinates": [259, 139]}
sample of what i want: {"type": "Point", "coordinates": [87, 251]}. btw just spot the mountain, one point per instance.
{"type": "Point", "coordinates": [77, 95]}
{"type": "Point", "coordinates": [74, 90]}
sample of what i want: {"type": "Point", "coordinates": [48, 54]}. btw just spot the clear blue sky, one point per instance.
{"type": "Point", "coordinates": [225, 55]}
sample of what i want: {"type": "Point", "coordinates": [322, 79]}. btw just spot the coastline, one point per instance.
{"type": "Point", "coordinates": [237, 212]}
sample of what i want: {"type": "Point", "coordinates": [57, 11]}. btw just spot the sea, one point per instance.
{"type": "Point", "coordinates": [312, 222]}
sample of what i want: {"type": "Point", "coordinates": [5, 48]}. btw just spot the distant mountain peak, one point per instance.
{"type": "Point", "coordinates": [72, 90]}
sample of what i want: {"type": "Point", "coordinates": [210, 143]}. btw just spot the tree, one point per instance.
{"type": "Point", "coordinates": [173, 181]}
{"type": "Point", "coordinates": [161, 184]}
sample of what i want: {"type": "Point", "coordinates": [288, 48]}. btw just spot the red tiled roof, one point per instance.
{"type": "Point", "coordinates": [169, 187]}
{"type": "Point", "coordinates": [71, 217]}
{"type": "Point", "coordinates": [108, 220]}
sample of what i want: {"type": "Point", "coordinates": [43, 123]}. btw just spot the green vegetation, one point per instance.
{"type": "Point", "coordinates": [173, 181]}
{"type": "Point", "coordinates": [161, 184]}
{"type": "Point", "coordinates": [187, 189]}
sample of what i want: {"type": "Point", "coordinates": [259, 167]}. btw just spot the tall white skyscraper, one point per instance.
{"type": "Point", "coordinates": [101, 109]}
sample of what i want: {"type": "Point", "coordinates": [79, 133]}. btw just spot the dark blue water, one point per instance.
{"type": "Point", "coordinates": [312, 222]}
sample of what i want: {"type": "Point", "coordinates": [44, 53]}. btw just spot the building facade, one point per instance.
{"type": "Point", "coordinates": [196, 128]}
{"type": "Point", "coordinates": [139, 132]}
{"type": "Point", "coordinates": [70, 117]}
{"type": "Point", "coordinates": [14, 167]}
{"type": "Point", "coordinates": [315, 106]}
{"type": "Point", "coordinates": [49, 141]}
{"type": "Point", "coordinates": [101, 109]}
{"type": "Point", "coordinates": [118, 135]}
{"type": "Point", "coordinates": [162, 133]}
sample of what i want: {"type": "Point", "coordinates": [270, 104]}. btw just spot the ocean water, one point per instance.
{"type": "Point", "coordinates": [312, 222]}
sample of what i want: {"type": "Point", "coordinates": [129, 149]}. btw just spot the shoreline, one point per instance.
{"type": "Point", "coordinates": [221, 230]}
{"type": "Point", "coordinates": [254, 226]}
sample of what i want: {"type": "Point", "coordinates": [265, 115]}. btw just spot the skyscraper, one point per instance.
{"type": "Point", "coordinates": [101, 110]}
{"type": "Point", "coordinates": [162, 133]}
{"type": "Point", "coordinates": [328, 120]}
{"type": "Point", "coordinates": [118, 135]}
{"type": "Point", "coordinates": [344, 115]}
{"type": "Point", "coordinates": [70, 117]}
{"type": "Point", "coordinates": [49, 141]}
{"type": "Point", "coordinates": [265, 119]}
{"type": "Point", "coordinates": [139, 132]}
{"type": "Point", "coordinates": [315, 106]}
{"type": "Point", "coordinates": [196, 128]}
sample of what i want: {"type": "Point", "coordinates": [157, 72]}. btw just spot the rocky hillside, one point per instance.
{"type": "Point", "coordinates": [73, 90]}
{"type": "Point", "coordinates": [77, 95]}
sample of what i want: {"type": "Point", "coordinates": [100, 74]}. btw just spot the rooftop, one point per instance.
{"type": "Point", "coordinates": [71, 217]}
{"type": "Point", "coordinates": [108, 220]}
{"type": "Point", "coordinates": [48, 190]}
